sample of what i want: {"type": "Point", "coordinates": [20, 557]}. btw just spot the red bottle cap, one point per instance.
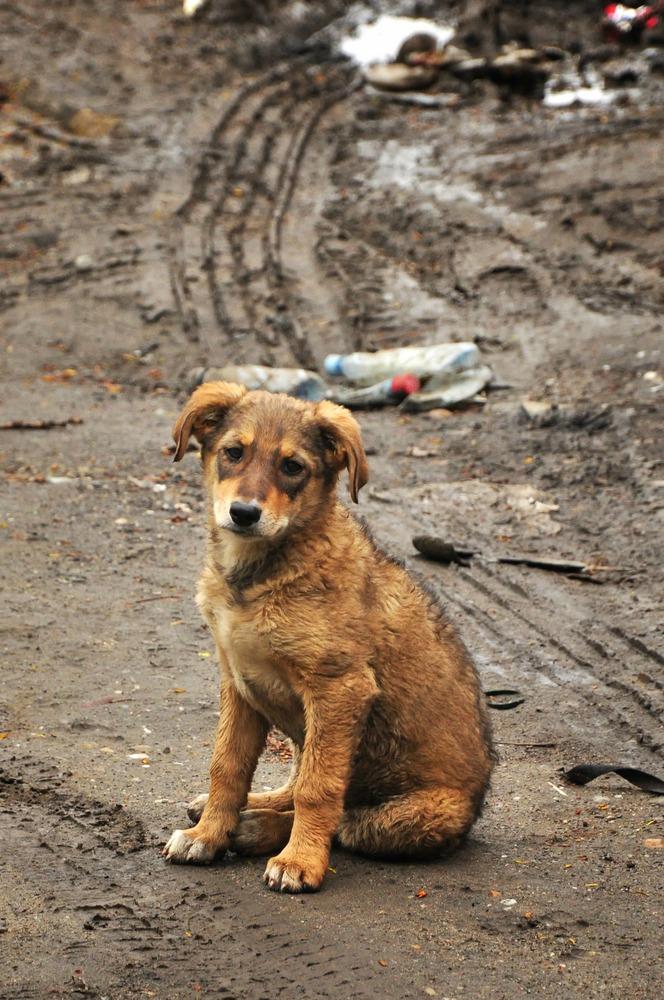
{"type": "Point", "coordinates": [403, 385]}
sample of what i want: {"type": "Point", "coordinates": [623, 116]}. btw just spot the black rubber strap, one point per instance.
{"type": "Point", "coordinates": [502, 693]}
{"type": "Point", "coordinates": [583, 773]}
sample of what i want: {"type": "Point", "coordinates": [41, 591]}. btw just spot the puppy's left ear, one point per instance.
{"type": "Point", "coordinates": [341, 433]}
{"type": "Point", "coordinates": [203, 413]}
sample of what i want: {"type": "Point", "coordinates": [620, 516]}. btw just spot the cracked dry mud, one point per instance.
{"type": "Point", "coordinates": [252, 204]}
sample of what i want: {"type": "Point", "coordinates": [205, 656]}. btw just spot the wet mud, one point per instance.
{"type": "Point", "coordinates": [178, 193]}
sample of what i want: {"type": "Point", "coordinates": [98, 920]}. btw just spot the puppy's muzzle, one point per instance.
{"type": "Point", "coordinates": [245, 515]}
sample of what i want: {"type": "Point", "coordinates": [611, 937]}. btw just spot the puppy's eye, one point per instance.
{"type": "Point", "coordinates": [235, 453]}
{"type": "Point", "coordinates": [291, 467]}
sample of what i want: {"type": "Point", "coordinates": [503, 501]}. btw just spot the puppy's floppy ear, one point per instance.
{"type": "Point", "coordinates": [204, 409]}
{"type": "Point", "coordinates": [341, 434]}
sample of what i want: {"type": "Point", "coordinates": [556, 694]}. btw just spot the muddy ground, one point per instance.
{"type": "Point", "coordinates": [235, 196]}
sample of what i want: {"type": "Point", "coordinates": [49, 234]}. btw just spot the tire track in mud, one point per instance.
{"type": "Point", "coordinates": [608, 669]}
{"type": "Point", "coordinates": [229, 227]}
{"type": "Point", "coordinates": [124, 920]}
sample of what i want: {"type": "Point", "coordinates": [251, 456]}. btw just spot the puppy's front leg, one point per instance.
{"type": "Point", "coordinates": [335, 711]}
{"type": "Point", "coordinates": [240, 738]}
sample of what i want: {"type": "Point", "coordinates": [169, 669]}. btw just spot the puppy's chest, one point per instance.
{"type": "Point", "coordinates": [254, 668]}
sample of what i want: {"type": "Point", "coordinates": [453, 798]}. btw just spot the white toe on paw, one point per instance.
{"type": "Point", "coordinates": [182, 848]}
{"type": "Point", "coordinates": [279, 879]}
{"type": "Point", "coordinates": [272, 877]}
{"type": "Point", "coordinates": [290, 883]}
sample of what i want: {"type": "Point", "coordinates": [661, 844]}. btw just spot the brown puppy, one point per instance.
{"type": "Point", "coordinates": [321, 634]}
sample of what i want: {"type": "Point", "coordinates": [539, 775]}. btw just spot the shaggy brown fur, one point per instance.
{"type": "Point", "coordinates": [322, 635]}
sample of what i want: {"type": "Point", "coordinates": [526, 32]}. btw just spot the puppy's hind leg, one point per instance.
{"type": "Point", "coordinates": [196, 807]}
{"type": "Point", "coordinates": [280, 799]}
{"type": "Point", "coordinates": [262, 831]}
{"type": "Point", "coordinates": [420, 824]}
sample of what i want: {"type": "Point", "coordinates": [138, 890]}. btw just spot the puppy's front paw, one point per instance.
{"type": "Point", "coordinates": [287, 873]}
{"type": "Point", "coordinates": [195, 847]}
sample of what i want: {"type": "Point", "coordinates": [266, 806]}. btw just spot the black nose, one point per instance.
{"type": "Point", "coordinates": [244, 514]}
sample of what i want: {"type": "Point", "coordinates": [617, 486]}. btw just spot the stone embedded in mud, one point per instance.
{"type": "Point", "coordinates": [398, 76]}
{"type": "Point", "coordinates": [84, 262]}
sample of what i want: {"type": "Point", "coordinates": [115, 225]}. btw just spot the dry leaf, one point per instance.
{"type": "Point", "coordinates": [91, 124]}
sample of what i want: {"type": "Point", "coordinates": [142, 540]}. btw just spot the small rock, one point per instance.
{"type": "Point", "coordinates": [536, 409]}
{"type": "Point", "coordinates": [84, 262]}
{"type": "Point", "coordinates": [81, 175]}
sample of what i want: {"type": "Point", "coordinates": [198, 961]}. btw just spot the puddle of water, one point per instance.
{"type": "Point", "coordinates": [411, 169]}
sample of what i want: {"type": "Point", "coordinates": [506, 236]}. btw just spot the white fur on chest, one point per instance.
{"type": "Point", "coordinates": [251, 665]}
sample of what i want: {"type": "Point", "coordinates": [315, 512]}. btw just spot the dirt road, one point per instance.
{"type": "Point", "coordinates": [232, 195]}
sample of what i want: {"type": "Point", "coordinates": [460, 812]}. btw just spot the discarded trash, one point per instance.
{"type": "Point", "coordinates": [446, 391]}
{"type": "Point", "coordinates": [523, 70]}
{"type": "Point", "coordinates": [398, 76]}
{"type": "Point", "coordinates": [296, 382]}
{"type": "Point", "coordinates": [389, 392]}
{"type": "Point", "coordinates": [503, 706]}
{"type": "Point", "coordinates": [419, 378]}
{"type": "Point", "coordinates": [414, 97]}
{"type": "Point", "coordinates": [581, 774]}
{"type": "Point", "coordinates": [451, 55]}
{"type": "Point", "coordinates": [580, 95]}
{"type": "Point", "coordinates": [438, 359]}
{"type": "Point", "coordinates": [442, 551]}
{"type": "Point", "coordinates": [38, 425]}
{"type": "Point", "coordinates": [383, 40]}
{"type": "Point", "coordinates": [620, 22]}
{"type": "Point", "coordinates": [190, 7]}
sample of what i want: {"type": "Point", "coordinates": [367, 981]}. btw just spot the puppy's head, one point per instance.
{"type": "Point", "coordinates": [270, 462]}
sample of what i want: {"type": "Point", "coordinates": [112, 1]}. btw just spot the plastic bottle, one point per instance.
{"type": "Point", "coordinates": [296, 382]}
{"type": "Point", "coordinates": [366, 367]}
{"type": "Point", "coordinates": [449, 390]}
{"type": "Point", "coordinates": [387, 393]}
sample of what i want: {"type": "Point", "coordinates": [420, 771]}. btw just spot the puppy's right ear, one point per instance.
{"type": "Point", "coordinates": [206, 406]}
